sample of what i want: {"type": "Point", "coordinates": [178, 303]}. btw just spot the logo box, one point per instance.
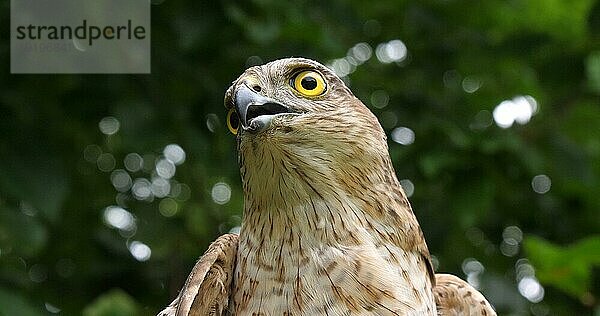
{"type": "Point", "coordinates": [80, 36]}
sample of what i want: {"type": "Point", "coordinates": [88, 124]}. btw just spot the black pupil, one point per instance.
{"type": "Point", "coordinates": [309, 83]}
{"type": "Point", "coordinates": [233, 121]}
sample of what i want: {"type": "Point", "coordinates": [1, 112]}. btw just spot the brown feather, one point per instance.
{"type": "Point", "coordinates": [208, 287]}
{"type": "Point", "coordinates": [455, 297]}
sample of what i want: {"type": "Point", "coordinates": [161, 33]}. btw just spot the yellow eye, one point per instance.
{"type": "Point", "coordinates": [233, 122]}
{"type": "Point", "coordinates": [309, 83]}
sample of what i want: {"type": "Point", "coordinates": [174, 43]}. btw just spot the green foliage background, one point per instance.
{"type": "Point", "coordinates": [472, 179]}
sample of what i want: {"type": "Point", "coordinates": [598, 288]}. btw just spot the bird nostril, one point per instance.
{"type": "Point", "coordinates": [256, 88]}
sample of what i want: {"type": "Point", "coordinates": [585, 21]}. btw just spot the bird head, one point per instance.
{"type": "Point", "coordinates": [294, 119]}
{"type": "Point", "coordinates": [270, 98]}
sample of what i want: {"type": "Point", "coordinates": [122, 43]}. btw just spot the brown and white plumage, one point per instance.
{"type": "Point", "coordinates": [212, 277]}
{"type": "Point", "coordinates": [327, 228]}
{"type": "Point", "coordinates": [454, 296]}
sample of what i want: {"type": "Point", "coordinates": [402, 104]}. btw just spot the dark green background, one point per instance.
{"type": "Point", "coordinates": [472, 178]}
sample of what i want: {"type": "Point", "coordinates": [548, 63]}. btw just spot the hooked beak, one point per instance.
{"type": "Point", "coordinates": [256, 111]}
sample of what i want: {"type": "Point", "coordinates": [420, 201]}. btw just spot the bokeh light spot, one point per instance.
{"type": "Point", "coordinates": [408, 186]}
{"type": "Point", "coordinates": [212, 122]}
{"type": "Point", "coordinates": [509, 247]}
{"type": "Point", "coordinates": [121, 198]}
{"type": "Point", "coordinates": [141, 189]}
{"type": "Point", "coordinates": [531, 289]}
{"type": "Point", "coordinates": [253, 61]}
{"type": "Point", "coordinates": [91, 153]}
{"type": "Point", "coordinates": [389, 119]}
{"type": "Point", "coordinates": [524, 269]}
{"type": "Point", "coordinates": [380, 99]}
{"type": "Point", "coordinates": [168, 207]}
{"type": "Point", "coordinates": [121, 180]}
{"type": "Point", "coordinates": [51, 308]}
{"type": "Point", "coordinates": [475, 235]}
{"type": "Point", "coordinates": [392, 51]}
{"type": "Point", "coordinates": [435, 262]}
{"type": "Point", "coordinates": [119, 218]}
{"type": "Point", "coordinates": [452, 78]}
{"type": "Point", "coordinates": [473, 269]}
{"type": "Point", "coordinates": [160, 187]}
{"type": "Point", "coordinates": [541, 184]}
{"type": "Point", "coordinates": [520, 109]}
{"type": "Point", "coordinates": [165, 168]}
{"type": "Point", "coordinates": [482, 120]}
{"type": "Point", "coordinates": [361, 52]}
{"type": "Point", "coordinates": [471, 265]}
{"type": "Point", "coordinates": [221, 193]}
{"type": "Point", "coordinates": [511, 237]}
{"type": "Point", "coordinates": [140, 251]}
{"type": "Point", "coordinates": [106, 162]}
{"type": "Point", "coordinates": [180, 191]}
{"type": "Point", "coordinates": [403, 135]}
{"type": "Point", "coordinates": [133, 162]}
{"type": "Point", "coordinates": [27, 208]}
{"type": "Point", "coordinates": [109, 125]}
{"type": "Point", "coordinates": [38, 273]}
{"type": "Point", "coordinates": [174, 153]}
{"type": "Point", "coordinates": [342, 67]}
{"type": "Point", "coordinates": [471, 84]}
{"type": "Point", "coordinates": [513, 232]}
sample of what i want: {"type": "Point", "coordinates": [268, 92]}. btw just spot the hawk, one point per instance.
{"type": "Point", "coordinates": [327, 228]}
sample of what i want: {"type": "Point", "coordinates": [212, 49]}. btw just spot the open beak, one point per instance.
{"type": "Point", "coordinates": [255, 111]}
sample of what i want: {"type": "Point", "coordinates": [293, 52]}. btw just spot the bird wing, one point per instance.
{"type": "Point", "coordinates": [456, 297]}
{"type": "Point", "coordinates": [208, 287]}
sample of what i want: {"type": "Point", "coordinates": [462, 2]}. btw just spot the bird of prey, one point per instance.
{"type": "Point", "coordinates": [327, 229]}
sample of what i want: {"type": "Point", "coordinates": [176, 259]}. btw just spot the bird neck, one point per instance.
{"type": "Point", "coordinates": [321, 198]}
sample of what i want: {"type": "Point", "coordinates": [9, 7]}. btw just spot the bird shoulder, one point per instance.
{"type": "Point", "coordinates": [454, 296]}
{"type": "Point", "coordinates": [207, 289]}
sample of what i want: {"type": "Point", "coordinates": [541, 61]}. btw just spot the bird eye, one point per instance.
{"type": "Point", "coordinates": [309, 83]}
{"type": "Point", "coordinates": [233, 122]}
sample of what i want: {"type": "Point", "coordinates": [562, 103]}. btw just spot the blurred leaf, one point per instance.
{"type": "Point", "coordinates": [434, 163]}
{"type": "Point", "coordinates": [473, 200]}
{"type": "Point", "coordinates": [22, 233]}
{"type": "Point", "coordinates": [578, 122]}
{"type": "Point", "coordinates": [113, 303]}
{"type": "Point", "coordinates": [564, 20]}
{"type": "Point", "coordinates": [32, 172]}
{"type": "Point", "coordinates": [592, 69]}
{"type": "Point", "coordinates": [14, 303]}
{"type": "Point", "coordinates": [567, 268]}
